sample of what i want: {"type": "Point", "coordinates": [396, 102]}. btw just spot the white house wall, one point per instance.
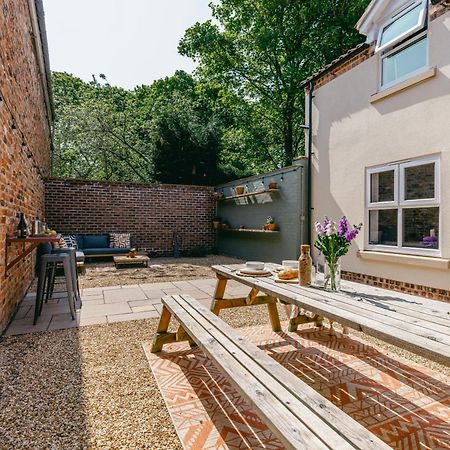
{"type": "Point", "coordinates": [351, 134]}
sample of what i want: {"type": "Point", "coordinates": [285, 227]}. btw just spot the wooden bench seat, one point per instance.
{"type": "Point", "coordinates": [299, 416]}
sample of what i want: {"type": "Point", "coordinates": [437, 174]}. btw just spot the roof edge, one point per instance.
{"type": "Point", "coordinates": [335, 63]}
{"type": "Point", "coordinates": [36, 9]}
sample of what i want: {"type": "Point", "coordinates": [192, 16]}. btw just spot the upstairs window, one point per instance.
{"type": "Point", "coordinates": [403, 207]}
{"type": "Point", "coordinates": [402, 24]}
{"type": "Point", "coordinates": [403, 48]}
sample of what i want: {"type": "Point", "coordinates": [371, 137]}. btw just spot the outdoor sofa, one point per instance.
{"type": "Point", "coordinates": [99, 245]}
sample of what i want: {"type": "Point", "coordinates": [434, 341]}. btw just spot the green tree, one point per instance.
{"type": "Point", "coordinates": [261, 50]}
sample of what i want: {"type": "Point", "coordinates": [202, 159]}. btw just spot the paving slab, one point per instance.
{"type": "Point", "coordinates": [106, 309]}
{"type": "Point", "coordinates": [25, 326]}
{"type": "Point", "coordinates": [124, 295]}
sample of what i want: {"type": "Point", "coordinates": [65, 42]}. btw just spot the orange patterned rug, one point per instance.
{"type": "Point", "coordinates": [405, 404]}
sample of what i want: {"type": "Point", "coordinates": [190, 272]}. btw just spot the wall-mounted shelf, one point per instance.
{"type": "Point", "coordinates": [28, 244]}
{"type": "Point", "coordinates": [249, 194]}
{"type": "Point", "coordinates": [248, 230]}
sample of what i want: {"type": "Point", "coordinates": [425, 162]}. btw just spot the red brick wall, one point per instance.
{"type": "Point", "coordinates": [400, 286]}
{"type": "Point", "coordinates": [24, 144]}
{"type": "Point", "coordinates": [150, 212]}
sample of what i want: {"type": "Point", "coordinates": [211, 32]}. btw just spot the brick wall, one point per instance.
{"type": "Point", "coordinates": [400, 286]}
{"type": "Point", "coordinates": [150, 212]}
{"type": "Point", "coordinates": [24, 145]}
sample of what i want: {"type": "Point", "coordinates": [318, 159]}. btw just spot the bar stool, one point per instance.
{"type": "Point", "coordinates": [46, 263]}
{"type": "Point", "coordinates": [74, 271]}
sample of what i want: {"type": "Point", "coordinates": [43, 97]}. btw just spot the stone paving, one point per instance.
{"type": "Point", "coordinates": [112, 304]}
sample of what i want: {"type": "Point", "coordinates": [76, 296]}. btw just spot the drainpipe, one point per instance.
{"type": "Point", "coordinates": [309, 207]}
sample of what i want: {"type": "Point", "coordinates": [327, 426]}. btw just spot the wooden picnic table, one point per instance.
{"type": "Point", "coordinates": [417, 324]}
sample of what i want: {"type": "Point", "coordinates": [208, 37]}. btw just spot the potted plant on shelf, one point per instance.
{"type": "Point", "coordinates": [216, 223]}
{"type": "Point", "coordinates": [133, 253]}
{"type": "Point", "coordinates": [218, 195]}
{"type": "Point", "coordinates": [239, 190]}
{"type": "Point", "coordinates": [273, 185]}
{"type": "Point", "coordinates": [270, 224]}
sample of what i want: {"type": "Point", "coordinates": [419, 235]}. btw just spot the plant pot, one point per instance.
{"type": "Point", "coordinates": [218, 195]}
{"type": "Point", "coordinates": [271, 227]}
{"type": "Point", "coordinates": [132, 254]}
{"type": "Point", "coordinates": [273, 185]}
{"type": "Point", "coordinates": [216, 225]}
{"type": "Point", "coordinates": [239, 190]}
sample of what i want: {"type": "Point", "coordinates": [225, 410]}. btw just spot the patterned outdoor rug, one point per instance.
{"type": "Point", "coordinates": [405, 404]}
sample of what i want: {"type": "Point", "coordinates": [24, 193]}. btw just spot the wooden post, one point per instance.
{"type": "Point", "coordinates": [218, 293]}
{"type": "Point", "coordinates": [273, 314]}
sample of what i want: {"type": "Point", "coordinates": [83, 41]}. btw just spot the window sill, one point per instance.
{"type": "Point", "coordinates": [409, 260]}
{"type": "Point", "coordinates": [419, 78]}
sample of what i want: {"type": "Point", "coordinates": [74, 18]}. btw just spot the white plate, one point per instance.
{"type": "Point", "coordinates": [255, 272]}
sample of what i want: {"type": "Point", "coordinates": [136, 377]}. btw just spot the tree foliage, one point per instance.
{"type": "Point", "coordinates": [262, 49]}
{"type": "Point", "coordinates": [240, 114]}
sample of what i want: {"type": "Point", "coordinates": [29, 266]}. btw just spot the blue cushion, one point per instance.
{"type": "Point", "coordinates": [79, 239]}
{"type": "Point", "coordinates": [105, 251]}
{"type": "Point", "coordinates": [97, 241]}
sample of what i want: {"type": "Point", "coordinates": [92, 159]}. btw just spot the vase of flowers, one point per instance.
{"type": "Point", "coordinates": [333, 242]}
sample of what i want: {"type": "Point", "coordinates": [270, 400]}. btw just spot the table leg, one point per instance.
{"type": "Point", "coordinates": [218, 294]}
{"type": "Point", "coordinates": [273, 314]}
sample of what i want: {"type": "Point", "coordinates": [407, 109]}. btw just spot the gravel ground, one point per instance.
{"type": "Point", "coordinates": [161, 269]}
{"type": "Point", "coordinates": [92, 387]}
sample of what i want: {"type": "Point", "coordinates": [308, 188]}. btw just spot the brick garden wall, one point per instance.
{"type": "Point", "coordinates": [24, 144]}
{"type": "Point", "coordinates": [150, 212]}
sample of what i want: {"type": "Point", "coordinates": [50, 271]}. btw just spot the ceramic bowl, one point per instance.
{"type": "Point", "coordinates": [290, 263]}
{"type": "Point", "coordinates": [254, 265]}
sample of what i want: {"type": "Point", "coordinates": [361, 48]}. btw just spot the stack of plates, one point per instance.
{"type": "Point", "coordinates": [255, 268]}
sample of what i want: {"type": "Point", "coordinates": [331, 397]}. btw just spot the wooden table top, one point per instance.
{"type": "Point", "coordinates": [417, 324]}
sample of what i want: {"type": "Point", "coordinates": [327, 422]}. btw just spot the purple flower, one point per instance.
{"type": "Point", "coordinates": [343, 226]}
{"type": "Point", "coordinates": [351, 234]}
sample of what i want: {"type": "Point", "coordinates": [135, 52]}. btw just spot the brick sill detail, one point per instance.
{"type": "Point", "coordinates": [409, 260]}
{"type": "Point", "coordinates": [430, 73]}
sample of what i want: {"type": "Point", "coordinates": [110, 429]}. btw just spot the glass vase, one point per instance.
{"type": "Point", "coordinates": [332, 276]}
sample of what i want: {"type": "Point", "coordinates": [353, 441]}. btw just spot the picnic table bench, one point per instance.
{"type": "Point", "coordinates": [299, 416]}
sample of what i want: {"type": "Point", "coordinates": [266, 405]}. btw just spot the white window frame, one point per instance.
{"type": "Point", "coordinates": [394, 17]}
{"type": "Point", "coordinates": [374, 170]}
{"type": "Point", "coordinates": [398, 49]}
{"type": "Point", "coordinates": [400, 204]}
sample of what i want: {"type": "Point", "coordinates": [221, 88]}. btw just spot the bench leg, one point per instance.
{"type": "Point", "coordinates": [183, 336]}
{"type": "Point", "coordinates": [162, 336]}
{"type": "Point", "coordinates": [218, 294]}
{"type": "Point", "coordinates": [302, 318]}
{"type": "Point", "coordinates": [273, 315]}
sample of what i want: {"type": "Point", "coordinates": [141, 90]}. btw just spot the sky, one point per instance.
{"type": "Point", "coordinates": [132, 42]}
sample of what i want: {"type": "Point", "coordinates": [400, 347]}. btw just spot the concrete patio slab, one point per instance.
{"type": "Point", "coordinates": [103, 305]}
{"type": "Point", "coordinates": [124, 294]}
